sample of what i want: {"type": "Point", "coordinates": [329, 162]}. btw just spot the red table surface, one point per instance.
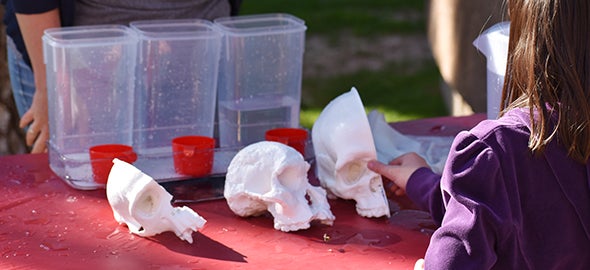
{"type": "Point", "coordinates": [45, 224]}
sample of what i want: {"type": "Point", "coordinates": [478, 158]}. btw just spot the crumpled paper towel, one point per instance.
{"type": "Point", "coordinates": [391, 144]}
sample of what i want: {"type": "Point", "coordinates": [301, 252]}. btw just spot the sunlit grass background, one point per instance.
{"type": "Point", "coordinates": [402, 90]}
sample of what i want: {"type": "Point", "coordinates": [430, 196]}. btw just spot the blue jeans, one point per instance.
{"type": "Point", "coordinates": [22, 79]}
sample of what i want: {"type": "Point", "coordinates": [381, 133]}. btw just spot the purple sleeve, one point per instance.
{"type": "Point", "coordinates": [423, 188]}
{"type": "Point", "coordinates": [472, 190]}
{"type": "Point", "coordinates": [34, 6]}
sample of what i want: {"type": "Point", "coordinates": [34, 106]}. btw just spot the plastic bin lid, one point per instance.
{"type": "Point", "coordinates": [261, 24]}
{"type": "Point", "coordinates": [97, 35]}
{"type": "Point", "coordinates": [175, 29]}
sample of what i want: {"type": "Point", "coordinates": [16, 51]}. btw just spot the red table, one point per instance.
{"type": "Point", "coordinates": [45, 224]}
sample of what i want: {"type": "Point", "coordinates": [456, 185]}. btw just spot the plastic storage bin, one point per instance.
{"type": "Point", "coordinates": [260, 76]}
{"type": "Point", "coordinates": [90, 82]}
{"type": "Point", "coordinates": [176, 88]}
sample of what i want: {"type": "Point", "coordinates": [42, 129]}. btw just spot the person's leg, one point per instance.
{"type": "Point", "coordinates": [22, 79]}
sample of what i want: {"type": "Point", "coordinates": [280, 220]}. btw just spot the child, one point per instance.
{"type": "Point", "coordinates": [515, 192]}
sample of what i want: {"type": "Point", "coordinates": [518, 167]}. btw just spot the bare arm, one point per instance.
{"type": "Point", "coordinates": [32, 27]}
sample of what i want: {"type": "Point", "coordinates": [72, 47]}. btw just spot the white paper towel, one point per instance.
{"type": "Point", "coordinates": [391, 144]}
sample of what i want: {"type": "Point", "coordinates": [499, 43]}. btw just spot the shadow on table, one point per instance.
{"type": "Point", "coordinates": [202, 246]}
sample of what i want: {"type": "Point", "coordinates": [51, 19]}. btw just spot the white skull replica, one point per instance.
{"type": "Point", "coordinates": [343, 146]}
{"type": "Point", "coordinates": [271, 176]}
{"type": "Point", "coordinates": [145, 206]}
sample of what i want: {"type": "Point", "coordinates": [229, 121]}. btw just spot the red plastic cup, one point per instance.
{"type": "Point", "coordinates": [101, 159]}
{"type": "Point", "coordinates": [294, 137]}
{"type": "Point", "coordinates": [193, 155]}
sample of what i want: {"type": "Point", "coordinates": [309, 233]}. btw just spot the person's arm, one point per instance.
{"type": "Point", "coordinates": [471, 184]}
{"type": "Point", "coordinates": [32, 27]}
{"type": "Point", "coordinates": [423, 188]}
{"type": "Point", "coordinates": [409, 174]}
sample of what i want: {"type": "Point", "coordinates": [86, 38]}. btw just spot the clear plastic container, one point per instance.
{"type": "Point", "coordinates": [176, 88]}
{"type": "Point", "coordinates": [493, 43]}
{"type": "Point", "coordinates": [177, 81]}
{"type": "Point", "coordinates": [260, 76]}
{"type": "Point", "coordinates": [90, 89]}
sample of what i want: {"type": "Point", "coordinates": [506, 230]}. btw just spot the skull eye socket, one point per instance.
{"type": "Point", "coordinates": [291, 177]}
{"type": "Point", "coordinates": [351, 172]}
{"type": "Point", "coordinates": [147, 205]}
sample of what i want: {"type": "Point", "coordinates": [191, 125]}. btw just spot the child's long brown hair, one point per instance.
{"type": "Point", "coordinates": [548, 71]}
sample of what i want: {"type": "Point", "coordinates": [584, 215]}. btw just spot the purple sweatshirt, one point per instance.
{"type": "Point", "coordinates": [501, 207]}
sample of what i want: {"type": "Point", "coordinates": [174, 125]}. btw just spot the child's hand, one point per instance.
{"type": "Point", "coordinates": [399, 170]}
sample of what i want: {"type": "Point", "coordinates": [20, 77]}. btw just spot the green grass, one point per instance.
{"type": "Point", "coordinates": [402, 91]}
{"type": "Point", "coordinates": [399, 96]}
{"type": "Point", "coordinates": [327, 17]}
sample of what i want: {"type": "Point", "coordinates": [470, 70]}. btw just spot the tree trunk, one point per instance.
{"type": "Point", "coordinates": [453, 25]}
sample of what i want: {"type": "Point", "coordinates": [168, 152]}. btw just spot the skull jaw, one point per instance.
{"type": "Point", "coordinates": [183, 221]}
{"type": "Point", "coordinates": [292, 216]}
{"type": "Point", "coordinates": [319, 205]}
{"type": "Point", "coordinates": [373, 204]}
{"type": "Point", "coordinates": [300, 222]}
{"type": "Point", "coordinates": [369, 202]}
{"type": "Point", "coordinates": [290, 212]}
{"type": "Point", "coordinates": [370, 198]}
{"type": "Point", "coordinates": [351, 180]}
{"type": "Point", "coordinates": [292, 227]}
{"type": "Point", "coordinates": [297, 213]}
{"type": "Point", "coordinates": [326, 219]}
{"type": "Point", "coordinates": [373, 212]}
{"type": "Point", "coordinates": [246, 205]}
{"type": "Point", "coordinates": [367, 189]}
